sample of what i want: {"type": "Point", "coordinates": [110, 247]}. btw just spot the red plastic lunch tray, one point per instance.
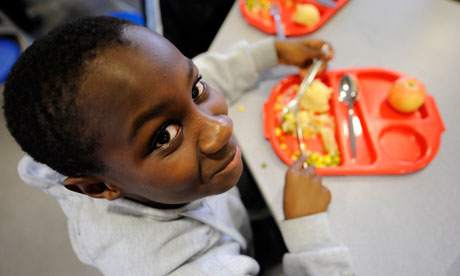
{"type": "Point", "coordinates": [388, 142]}
{"type": "Point", "coordinates": [263, 21]}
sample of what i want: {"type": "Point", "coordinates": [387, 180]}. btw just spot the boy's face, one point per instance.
{"type": "Point", "coordinates": [166, 137]}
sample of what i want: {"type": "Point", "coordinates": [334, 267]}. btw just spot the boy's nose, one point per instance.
{"type": "Point", "coordinates": [215, 134]}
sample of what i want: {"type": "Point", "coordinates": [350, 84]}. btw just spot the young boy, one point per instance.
{"type": "Point", "coordinates": [140, 155]}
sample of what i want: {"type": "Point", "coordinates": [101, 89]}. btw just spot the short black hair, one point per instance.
{"type": "Point", "coordinates": [41, 90]}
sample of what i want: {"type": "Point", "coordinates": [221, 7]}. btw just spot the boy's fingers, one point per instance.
{"type": "Point", "coordinates": [306, 64]}
{"type": "Point", "coordinates": [316, 53]}
{"type": "Point", "coordinates": [313, 43]}
{"type": "Point", "coordinates": [323, 67]}
{"type": "Point", "coordinates": [330, 54]}
{"type": "Point", "coordinates": [301, 165]}
{"type": "Point", "coordinates": [317, 44]}
{"type": "Point", "coordinates": [318, 178]}
{"type": "Point", "coordinates": [311, 170]}
{"type": "Point", "coordinates": [298, 164]}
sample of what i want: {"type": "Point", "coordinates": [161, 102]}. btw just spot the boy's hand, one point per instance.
{"type": "Point", "coordinates": [304, 193]}
{"type": "Point", "coordinates": [301, 52]}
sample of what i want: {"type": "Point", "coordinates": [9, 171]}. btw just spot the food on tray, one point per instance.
{"type": "Point", "coordinates": [316, 98]}
{"type": "Point", "coordinates": [406, 95]}
{"type": "Point", "coordinates": [256, 5]}
{"type": "Point", "coordinates": [328, 137]}
{"type": "Point", "coordinates": [315, 122]}
{"type": "Point", "coordinates": [259, 7]}
{"type": "Point", "coordinates": [320, 160]}
{"type": "Point", "coordinates": [306, 14]}
{"type": "Point", "coordinates": [310, 123]}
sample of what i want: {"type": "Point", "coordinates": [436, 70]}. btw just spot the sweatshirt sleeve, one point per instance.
{"type": "Point", "coordinates": [234, 72]}
{"type": "Point", "coordinates": [312, 250]}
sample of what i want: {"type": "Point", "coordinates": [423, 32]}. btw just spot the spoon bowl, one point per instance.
{"type": "Point", "coordinates": [348, 93]}
{"type": "Point", "coordinates": [348, 89]}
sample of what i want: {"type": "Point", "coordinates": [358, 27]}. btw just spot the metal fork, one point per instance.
{"type": "Point", "coordinates": [293, 104]}
{"type": "Point", "coordinates": [275, 11]}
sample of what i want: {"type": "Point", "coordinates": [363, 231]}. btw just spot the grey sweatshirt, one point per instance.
{"type": "Point", "coordinates": [209, 236]}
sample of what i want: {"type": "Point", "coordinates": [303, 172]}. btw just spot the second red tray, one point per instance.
{"type": "Point", "coordinates": [388, 142]}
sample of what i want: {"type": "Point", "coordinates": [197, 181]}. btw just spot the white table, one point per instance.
{"type": "Point", "coordinates": [393, 224]}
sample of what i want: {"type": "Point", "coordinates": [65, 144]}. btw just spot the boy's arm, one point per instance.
{"type": "Point", "coordinates": [306, 232]}
{"type": "Point", "coordinates": [312, 249]}
{"type": "Point", "coordinates": [234, 72]}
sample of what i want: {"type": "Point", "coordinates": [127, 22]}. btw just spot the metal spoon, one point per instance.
{"type": "Point", "coordinates": [348, 93]}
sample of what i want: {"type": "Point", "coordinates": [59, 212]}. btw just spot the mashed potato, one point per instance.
{"type": "Point", "coordinates": [306, 14]}
{"type": "Point", "coordinates": [316, 98]}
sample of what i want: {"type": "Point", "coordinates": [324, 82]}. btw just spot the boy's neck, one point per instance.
{"type": "Point", "coordinates": [154, 204]}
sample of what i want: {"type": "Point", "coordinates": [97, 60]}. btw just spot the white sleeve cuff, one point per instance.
{"type": "Point", "coordinates": [307, 233]}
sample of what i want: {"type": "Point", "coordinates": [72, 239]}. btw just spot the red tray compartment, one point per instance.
{"type": "Point", "coordinates": [267, 24]}
{"type": "Point", "coordinates": [388, 142]}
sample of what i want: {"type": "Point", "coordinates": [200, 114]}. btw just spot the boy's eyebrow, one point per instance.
{"type": "Point", "coordinates": [155, 110]}
{"type": "Point", "coordinates": [145, 117]}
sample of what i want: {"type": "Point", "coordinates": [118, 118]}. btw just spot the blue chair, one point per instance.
{"type": "Point", "coordinates": [9, 52]}
{"type": "Point", "coordinates": [134, 17]}
{"type": "Point", "coordinates": [12, 42]}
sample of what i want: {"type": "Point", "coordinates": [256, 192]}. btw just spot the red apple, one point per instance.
{"type": "Point", "coordinates": [407, 94]}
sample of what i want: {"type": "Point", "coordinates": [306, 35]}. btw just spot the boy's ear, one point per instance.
{"type": "Point", "coordinates": [93, 187]}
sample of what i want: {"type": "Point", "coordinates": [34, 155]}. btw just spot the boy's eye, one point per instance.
{"type": "Point", "coordinates": [165, 135]}
{"type": "Point", "coordinates": [198, 89]}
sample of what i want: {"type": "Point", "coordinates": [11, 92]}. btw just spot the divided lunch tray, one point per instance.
{"type": "Point", "coordinates": [265, 22]}
{"type": "Point", "coordinates": [387, 142]}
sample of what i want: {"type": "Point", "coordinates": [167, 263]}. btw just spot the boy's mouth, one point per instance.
{"type": "Point", "coordinates": [231, 162]}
